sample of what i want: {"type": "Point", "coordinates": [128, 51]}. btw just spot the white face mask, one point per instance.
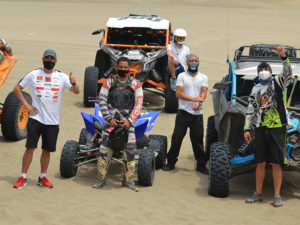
{"type": "Point", "coordinates": [264, 75]}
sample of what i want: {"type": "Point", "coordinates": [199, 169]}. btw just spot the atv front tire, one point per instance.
{"type": "Point", "coordinates": [68, 159]}
{"type": "Point", "coordinates": [219, 170]}
{"type": "Point", "coordinates": [90, 88]}
{"type": "Point", "coordinates": [15, 117]}
{"type": "Point", "coordinates": [146, 167]}
{"type": "Point", "coordinates": [211, 134]}
{"type": "Point", "coordinates": [160, 159]}
{"type": "Point", "coordinates": [82, 137]}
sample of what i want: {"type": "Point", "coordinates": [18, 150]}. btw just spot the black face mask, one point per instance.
{"type": "Point", "coordinates": [48, 65]}
{"type": "Point", "coordinates": [123, 73]}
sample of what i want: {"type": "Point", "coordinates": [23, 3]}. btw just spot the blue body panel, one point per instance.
{"type": "Point", "coordinates": [143, 124]}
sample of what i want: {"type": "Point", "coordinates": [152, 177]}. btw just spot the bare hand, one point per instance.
{"type": "Point", "coordinates": [32, 110]}
{"type": "Point", "coordinates": [199, 99]}
{"type": "Point", "coordinates": [72, 78]}
{"type": "Point", "coordinates": [280, 51]}
{"type": "Point", "coordinates": [247, 136]}
{"type": "Point", "coordinates": [126, 124]}
{"type": "Point", "coordinates": [113, 122]}
{"type": "Point", "coordinates": [196, 106]}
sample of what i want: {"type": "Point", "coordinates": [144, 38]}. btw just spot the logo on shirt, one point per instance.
{"type": "Point", "coordinates": [55, 97]}
{"type": "Point", "coordinates": [47, 79]}
{"type": "Point", "coordinates": [39, 78]}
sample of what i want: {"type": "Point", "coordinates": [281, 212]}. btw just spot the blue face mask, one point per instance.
{"type": "Point", "coordinates": [193, 67]}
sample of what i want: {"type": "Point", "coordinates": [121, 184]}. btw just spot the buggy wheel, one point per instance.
{"type": "Point", "coordinates": [219, 170]}
{"type": "Point", "coordinates": [68, 159]}
{"type": "Point", "coordinates": [82, 137]}
{"type": "Point", "coordinates": [15, 117]}
{"type": "Point", "coordinates": [90, 88]}
{"type": "Point", "coordinates": [160, 159]}
{"type": "Point", "coordinates": [171, 102]}
{"type": "Point", "coordinates": [211, 134]}
{"type": "Point", "coordinates": [146, 167]}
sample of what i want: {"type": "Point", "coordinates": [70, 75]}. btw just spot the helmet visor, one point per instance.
{"type": "Point", "coordinates": [180, 39]}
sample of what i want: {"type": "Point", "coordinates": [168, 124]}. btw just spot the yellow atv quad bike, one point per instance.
{"type": "Point", "coordinates": [13, 114]}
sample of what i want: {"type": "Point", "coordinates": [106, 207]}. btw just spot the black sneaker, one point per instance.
{"type": "Point", "coordinates": [202, 169]}
{"type": "Point", "coordinates": [169, 167]}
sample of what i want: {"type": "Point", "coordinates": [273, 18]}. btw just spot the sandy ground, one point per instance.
{"type": "Point", "coordinates": [215, 28]}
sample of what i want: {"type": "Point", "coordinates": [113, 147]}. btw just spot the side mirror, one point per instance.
{"type": "Point", "coordinates": [222, 85]}
{"type": "Point", "coordinates": [99, 31]}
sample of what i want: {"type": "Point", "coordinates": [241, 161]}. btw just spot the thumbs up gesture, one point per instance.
{"type": "Point", "coordinates": [72, 79]}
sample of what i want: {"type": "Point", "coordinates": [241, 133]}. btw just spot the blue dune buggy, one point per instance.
{"type": "Point", "coordinates": [150, 154]}
{"type": "Point", "coordinates": [230, 155]}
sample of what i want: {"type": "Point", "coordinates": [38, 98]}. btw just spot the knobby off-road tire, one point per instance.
{"type": "Point", "coordinates": [67, 159]}
{"type": "Point", "coordinates": [160, 159]}
{"type": "Point", "coordinates": [211, 134]}
{"type": "Point", "coordinates": [82, 137]}
{"type": "Point", "coordinates": [171, 102]}
{"type": "Point", "coordinates": [266, 50]}
{"type": "Point", "coordinates": [15, 117]}
{"type": "Point", "coordinates": [90, 88]}
{"type": "Point", "coordinates": [220, 170]}
{"type": "Point", "coordinates": [146, 167]}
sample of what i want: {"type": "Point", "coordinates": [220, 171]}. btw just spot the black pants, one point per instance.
{"type": "Point", "coordinates": [195, 123]}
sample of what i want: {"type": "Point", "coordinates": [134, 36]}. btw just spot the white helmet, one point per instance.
{"type": "Point", "coordinates": [179, 36]}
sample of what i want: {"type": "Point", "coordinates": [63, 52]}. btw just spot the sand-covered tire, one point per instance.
{"type": "Point", "coordinates": [146, 167]}
{"type": "Point", "coordinates": [265, 50]}
{"type": "Point", "coordinates": [15, 117]}
{"type": "Point", "coordinates": [83, 137]}
{"type": "Point", "coordinates": [219, 170]}
{"type": "Point", "coordinates": [160, 159]}
{"type": "Point", "coordinates": [68, 159]}
{"type": "Point", "coordinates": [171, 102]}
{"type": "Point", "coordinates": [90, 86]}
{"type": "Point", "coordinates": [211, 134]}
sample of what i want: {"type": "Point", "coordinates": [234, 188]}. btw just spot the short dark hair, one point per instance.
{"type": "Point", "coordinates": [123, 59]}
{"type": "Point", "coordinates": [264, 65]}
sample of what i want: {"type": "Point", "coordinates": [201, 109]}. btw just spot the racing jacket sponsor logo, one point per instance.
{"type": "Point", "coordinates": [136, 111]}
{"type": "Point", "coordinates": [39, 88]}
{"type": "Point", "coordinates": [54, 89]}
{"type": "Point", "coordinates": [55, 93]}
{"type": "Point", "coordinates": [47, 84]}
{"type": "Point", "coordinates": [55, 97]}
{"type": "Point", "coordinates": [39, 78]}
{"type": "Point", "coordinates": [47, 79]}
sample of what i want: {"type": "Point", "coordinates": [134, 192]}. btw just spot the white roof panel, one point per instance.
{"type": "Point", "coordinates": [138, 21]}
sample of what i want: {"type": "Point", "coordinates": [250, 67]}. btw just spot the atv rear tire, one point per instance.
{"type": "Point", "coordinates": [67, 159]}
{"type": "Point", "coordinates": [160, 159]}
{"type": "Point", "coordinates": [171, 102]}
{"type": "Point", "coordinates": [219, 170]}
{"type": "Point", "coordinates": [15, 117]}
{"type": "Point", "coordinates": [90, 88]}
{"type": "Point", "coordinates": [146, 167]}
{"type": "Point", "coordinates": [211, 134]}
{"type": "Point", "coordinates": [82, 137]}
